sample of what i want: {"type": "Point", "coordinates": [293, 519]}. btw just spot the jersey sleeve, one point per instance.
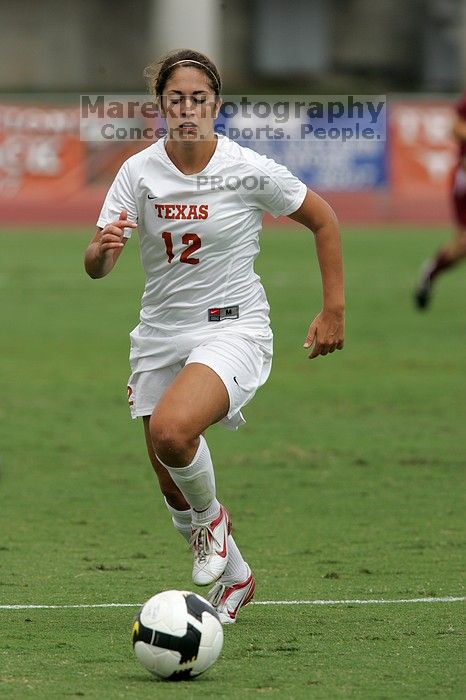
{"type": "Point", "coordinates": [120, 196]}
{"type": "Point", "coordinates": [279, 191]}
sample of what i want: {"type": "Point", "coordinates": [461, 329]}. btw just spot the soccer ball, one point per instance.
{"type": "Point", "coordinates": [177, 635]}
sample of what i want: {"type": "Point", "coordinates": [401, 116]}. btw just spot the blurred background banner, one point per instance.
{"type": "Point", "coordinates": [413, 52]}
{"type": "Point", "coordinates": [329, 153]}
{"type": "Point", "coordinates": [48, 174]}
{"type": "Point", "coordinates": [422, 152]}
{"type": "Point", "coordinates": [41, 155]}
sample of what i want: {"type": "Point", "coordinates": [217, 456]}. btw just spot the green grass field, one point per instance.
{"type": "Point", "coordinates": [346, 483]}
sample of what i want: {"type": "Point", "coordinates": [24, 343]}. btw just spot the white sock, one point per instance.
{"type": "Point", "coordinates": [181, 519]}
{"type": "Point", "coordinates": [201, 517]}
{"type": "Point", "coordinates": [196, 481]}
{"type": "Point", "coordinates": [236, 570]}
{"type": "Point", "coordinates": [197, 484]}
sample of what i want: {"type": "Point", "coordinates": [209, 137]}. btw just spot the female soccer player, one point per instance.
{"type": "Point", "coordinates": [454, 251]}
{"type": "Point", "coordinates": [204, 345]}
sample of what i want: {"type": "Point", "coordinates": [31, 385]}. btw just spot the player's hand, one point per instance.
{"type": "Point", "coordinates": [326, 333]}
{"type": "Point", "coordinates": [111, 236]}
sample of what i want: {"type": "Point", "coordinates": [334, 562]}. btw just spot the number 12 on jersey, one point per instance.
{"type": "Point", "coordinates": [191, 240]}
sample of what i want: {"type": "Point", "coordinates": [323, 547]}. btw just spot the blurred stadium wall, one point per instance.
{"type": "Point", "coordinates": [53, 50]}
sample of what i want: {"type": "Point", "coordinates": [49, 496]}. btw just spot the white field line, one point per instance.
{"type": "Point", "coordinates": [399, 601]}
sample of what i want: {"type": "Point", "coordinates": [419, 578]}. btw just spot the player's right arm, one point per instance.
{"type": "Point", "coordinates": [106, 246]}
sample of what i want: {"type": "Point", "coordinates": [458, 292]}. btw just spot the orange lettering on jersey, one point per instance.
{"type": "Point", "coordinates": [182, 211]}
{"type": "Point", "coordinates": [192, 214]}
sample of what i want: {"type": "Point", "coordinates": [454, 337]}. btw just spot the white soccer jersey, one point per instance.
{"type": "Point", "coordinates": [199, 235]}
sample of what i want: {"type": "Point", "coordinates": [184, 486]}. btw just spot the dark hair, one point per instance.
{"type": "Point", "coordinates": [158, 72]}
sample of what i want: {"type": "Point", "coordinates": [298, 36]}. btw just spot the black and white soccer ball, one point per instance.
{"type": "Point", "coordinates": [177, 635]}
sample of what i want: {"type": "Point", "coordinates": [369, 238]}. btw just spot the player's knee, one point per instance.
{"type": "Point", "coordinates": [171, 436]}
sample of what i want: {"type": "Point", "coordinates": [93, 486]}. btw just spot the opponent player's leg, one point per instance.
{"type": "Point", "coordinates": [445, 258]}
{"type": "Point", "coordinates": [196, 399]}
{"type": "Point", "coordinates": [450, 254]}
{"type": "Point", "coordinates": [458, 247]}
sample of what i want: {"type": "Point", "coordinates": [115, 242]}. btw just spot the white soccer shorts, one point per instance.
{"type": "Point", "coordinates": [242, 365]}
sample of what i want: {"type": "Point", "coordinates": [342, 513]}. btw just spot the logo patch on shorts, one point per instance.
{"type": "Point", "coordinates": [218, 314]}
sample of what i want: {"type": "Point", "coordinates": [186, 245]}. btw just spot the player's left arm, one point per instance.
{"type": "Point", "coordinates": [326, 332]}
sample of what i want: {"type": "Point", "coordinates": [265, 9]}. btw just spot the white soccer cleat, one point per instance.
{"type": "Point", "coordinates": [209, 543]}
{"type": "Point", "coordinates": [228, 599]}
